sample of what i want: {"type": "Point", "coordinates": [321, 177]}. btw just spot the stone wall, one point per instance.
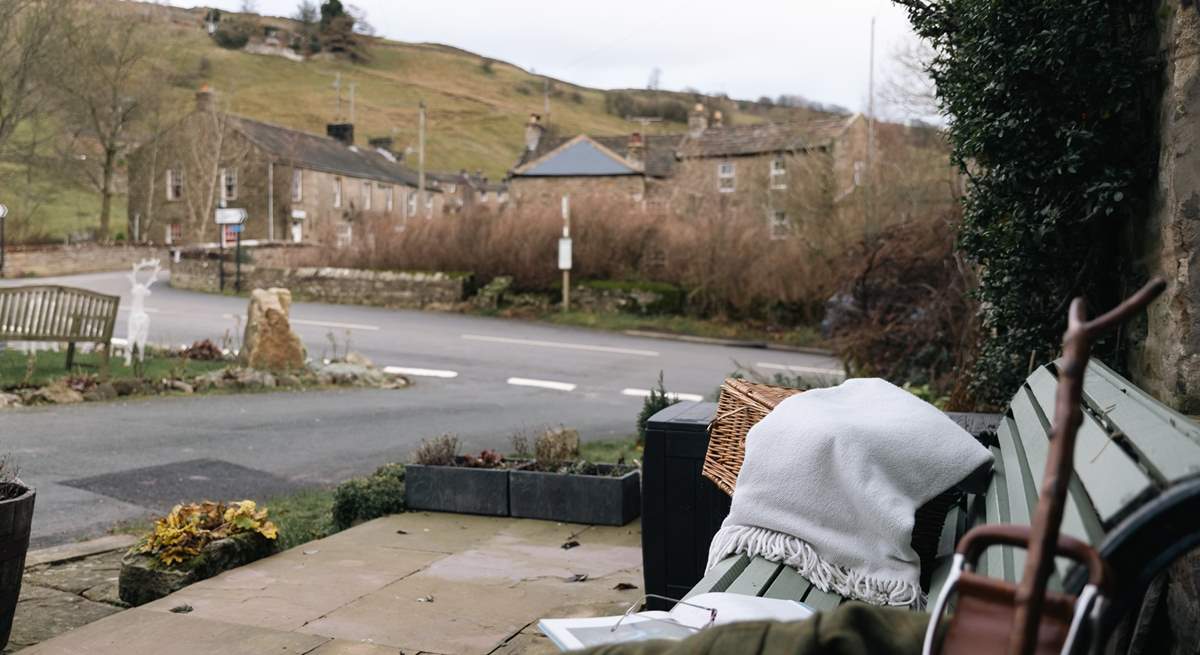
{"type": "Point", "coordinates": [1165, 351]}
{"type": "Point", "coordinates": [43, 261]}
{"type": "Point", "coordinates": [405, 290]}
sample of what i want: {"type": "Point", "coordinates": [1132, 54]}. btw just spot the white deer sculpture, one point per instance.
{"type": "Point", "coordinates": [138, 327]}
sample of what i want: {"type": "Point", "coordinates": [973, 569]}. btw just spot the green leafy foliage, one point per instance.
{"type": "Point", "coordinates": [657, 401]}
{"type": "Point", "coordinates": [1051, 118]}
{"type": "Point", "coordinates": [363, 499]}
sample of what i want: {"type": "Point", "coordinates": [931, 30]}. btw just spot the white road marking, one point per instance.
{"type": "Point", "coordinates": [328, 324]}
{"type": "Point", "coordinates": [543, 384]}
{"type": "Point", "coordinates": [645, 393]}
{"type": "Point", "coordinates": [560, 344]}
{"type": "Point", "coordinates": [419, 372]}
{"type": "Point", "coordinates": [148, 310]}
{"type": "Point", "coordinates": [801, 369]}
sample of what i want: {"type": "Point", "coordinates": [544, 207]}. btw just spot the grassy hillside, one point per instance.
{"type": "Point", "coordinates": [476, 114]}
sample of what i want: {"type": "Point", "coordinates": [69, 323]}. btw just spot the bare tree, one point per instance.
{"type": "Point", "coordinates": [907, 91]}
{"type": "Point", "coordinates": [29, 40]}
{"type": "Point", "coordinates": [106, 91]}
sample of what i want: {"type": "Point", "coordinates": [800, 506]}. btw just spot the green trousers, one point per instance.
{"type": "Point", "coordinates": [851, 629]}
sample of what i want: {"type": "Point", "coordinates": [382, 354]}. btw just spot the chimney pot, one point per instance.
{"type": "Point", "coordinates": [697, 121]}
{"type": "Point", "coordinates": [533, 132]}
{"type": "Point", "coordinates": [204, 99]}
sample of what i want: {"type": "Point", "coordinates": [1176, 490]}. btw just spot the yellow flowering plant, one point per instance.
{"type": "Point", "coordinates": [182, 534]}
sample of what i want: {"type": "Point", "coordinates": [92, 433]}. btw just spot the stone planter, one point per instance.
{"type": "Point", "coordinates": [16, 516]}
{"type": "Point", "coordinates": [143, 579]}
{"type": "Point", "coordinates": [571, 498]}
{"type": "Point", "coordinates": [458, 489]}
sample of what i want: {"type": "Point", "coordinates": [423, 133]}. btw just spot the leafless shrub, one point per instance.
{"type": "Point", "coordinates": [556, 447]}
{"type": "Point", "coordinates": [438, 451]}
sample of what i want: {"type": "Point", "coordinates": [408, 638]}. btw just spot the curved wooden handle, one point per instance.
{"type": "Point", "coordinates": [980, 538]}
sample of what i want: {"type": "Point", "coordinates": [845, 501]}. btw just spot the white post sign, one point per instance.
{"type": "Point", "coordinates": [564, 254]}
{"type": "Point", "coordinates": [3, 211]}
{"type": "Point", "coordinates": [231, 216]}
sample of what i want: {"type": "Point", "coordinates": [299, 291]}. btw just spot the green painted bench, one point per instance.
{"type": "Point", "coordinates": [1135, 495]}
{"type": "Point", "coordinates": [60, 314]}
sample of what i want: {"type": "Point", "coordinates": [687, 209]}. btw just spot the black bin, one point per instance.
{"type": "Point", "coordinates": [681, 509]}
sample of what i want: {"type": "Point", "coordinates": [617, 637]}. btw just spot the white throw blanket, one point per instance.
{"type": "Point", "coordinates": [832, 480]}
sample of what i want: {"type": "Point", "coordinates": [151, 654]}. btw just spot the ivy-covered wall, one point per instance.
{"type": "Point", "coordinates": [1165, 351]}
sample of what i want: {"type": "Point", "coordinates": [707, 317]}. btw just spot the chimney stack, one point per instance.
{"type": "Point", "coordinates": [343, 132]}
{"type": "Point", "coordinates": [697, 121]}
{"type": "Point", "coordinates": [636, 152]}
{"type": "Point", "coordinates": [718, 120]}
{"type": "Point", "coordinates": [204, 99]}
{"type": "Point", "coordinates": [533, 132]}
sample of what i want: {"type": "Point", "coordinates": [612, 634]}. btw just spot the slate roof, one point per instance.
{"type": "Point", "coordinates": [760, 138]}
{"type": "Point", "coordinates": [323, 153]}
{"type": "Point", "coordinates": [580, 157]}
{"type": "Point", "coordinates": [660, 151]}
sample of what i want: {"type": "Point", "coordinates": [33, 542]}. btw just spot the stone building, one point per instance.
{"type": "Point", "coordinates": [295, 186]}
{"type": "Point", "coordinates": [772, 170]}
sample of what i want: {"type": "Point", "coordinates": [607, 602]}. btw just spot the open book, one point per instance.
{"type": "Point", "coordinates": [681, 622]}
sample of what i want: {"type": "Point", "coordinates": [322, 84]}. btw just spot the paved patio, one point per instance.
{"type": "Point", "coordinates": [418, 582]}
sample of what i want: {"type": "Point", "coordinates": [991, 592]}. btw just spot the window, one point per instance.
{"type": "Point", "coordinates": [174, 184]}
{"type": "Point", "coordinates": [297, 185]}
{"type": "Point", "coordinates": [726, 177]}
{"type": "Point", "coordinates": [428, 205]}
{"type": "Point", "coordinates": [483, 195]}
{"type": "Point", "coordinates": [387, 198]}
{"type": "Point", "coordinates": [781, 227]}
{"type": "Point", "coordinates": [229, 184]}
{"type": "Point", "coordinates": [297, 231]}
{"type": "Point", "coordinates": [859, 168]}
{"type": "Point", "coordinates": [412, 204]}
{"type": "Point", "coordinates": [778, 173]}
{"type": "Point", "coordinates": [345, 234]}
{"type": "Point", "coordinates": [174, 233]}
{"type": "Point", "coordinates": [366, 196]}
{"type": "Point", "coordinates": [337, 192]}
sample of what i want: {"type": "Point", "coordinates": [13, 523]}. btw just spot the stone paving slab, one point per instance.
{"type": "Point", "coordinates": [412, 583]}
{"type": "Point", "coordinates": [68, 552]}
{"type": "Point", "coordinates": [140, 631]}
{"type": "Point", "coordinates": [44, 613]}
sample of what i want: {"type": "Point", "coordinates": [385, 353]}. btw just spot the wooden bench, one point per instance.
{"type": "Point", "coordinates": [1135, 495]}
{"type": "Point", "coordinates": [60, 314]}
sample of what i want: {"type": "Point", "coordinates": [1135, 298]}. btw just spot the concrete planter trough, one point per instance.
{"type": "Point", "coordinates": [458, 489]}
{"type": "Point", "coordinates": [601, 499]}
{"type": "Point", "coordinates": [143, 580]}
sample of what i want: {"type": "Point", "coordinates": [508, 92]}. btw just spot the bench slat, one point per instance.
{"type": "Point", "coordinates": [1169, 441]}
{"type": "Point", "coordinates": [1020, 490]}
{"type": "Point", "coordinates": [721, 576]}
{"type": "Point", "coordinates": [1111, 479]}
{"type": "Point", "coordinates": [822, 600]}
{"type": "Point", "coordinates": [992, 562]}
{"type": "Point", "coordinates": [789, 585]}
{"type": "Point", "coordinates": [757, 577]}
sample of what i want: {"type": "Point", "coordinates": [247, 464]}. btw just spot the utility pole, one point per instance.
{"type": "Point", "coordinates": [546, 99]}
{"type": "Point", "coordinates": [564, 254]}
{"type": "Point", "coordinates": [337, 84]}
{"type": "Point", "coordinates": [870, 218]}
{"type": "Point", "coordinates": [421, 159]}
{"type": "Point", "coordinates": [353, 86]}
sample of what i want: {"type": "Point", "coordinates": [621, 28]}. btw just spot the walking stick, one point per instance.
{"type": "Point", "coordinates": [994, 616]}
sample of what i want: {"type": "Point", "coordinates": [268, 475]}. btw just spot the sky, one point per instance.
{"type": "Point", "coordinates": [818, 49]}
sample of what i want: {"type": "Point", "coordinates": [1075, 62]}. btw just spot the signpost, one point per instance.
{"type": "Point", "coordinates": [235, 218]}
{"type": "Point", "coordinates": [3, 215]}
{"type": "Point", "coordinates": [564, 253]}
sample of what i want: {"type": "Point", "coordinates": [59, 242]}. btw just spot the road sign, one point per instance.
{"type": "Point", "coordinates": [3, 211]}
{"type": "Point", "coordinates": [236, 229]}
{"type": "Point", "coordinates": [564, 254]}
{"type": "Point", "coordinates": [231, 216]}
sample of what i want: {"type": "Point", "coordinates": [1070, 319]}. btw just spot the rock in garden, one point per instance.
{"type": "Point", "coordinates": [9, 400]}
{"type": "Point", "coordinates": [127, 387]}
{"type": "Point", "coordinates": [269, 343]}
{"type": "Point", "coordinates": [57, 394]}
{"type": "Point", "coordinates": [352, 375]}
{"type": "Point", "coordinates": [179, 385]}
{"type": "Point", "coordinates": [358, 359]}
{"type": "Point", "coordinates": [143, 579]}
{"type": "Point", "coordinates": [102, 391]}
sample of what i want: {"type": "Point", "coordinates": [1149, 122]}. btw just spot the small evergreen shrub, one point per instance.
{"type": "Point", "coordinates": [363, 499]}
{"type": "Point", "coordinates": [658, 400]}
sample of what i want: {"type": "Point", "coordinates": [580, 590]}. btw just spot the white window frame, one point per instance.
{"type": "Point", "coordinates": [726, 177]}
{"type": "Point", "coordinates": [411, 200]}
{"type": "Point", "coordinates": [229, 182]}
{"type": "Point", "coordinates": [387, 198]}
{"type": "Point", "coordinates": [174, 179]}
{"type": "Point", "coordinates": [337, 193]}
{"type": "Point", "coordinates": [779, 225]}
{"type": "Point", "coordinates": [779, 179]}
{"type": "Point", "coordinates": [297, 185]}
{"type": "Point", "coordinates": [366, 196]}
{"type": "Point", "coordinates": [428, 205]}
{"type": "Point", "coordinates": [860, 167]}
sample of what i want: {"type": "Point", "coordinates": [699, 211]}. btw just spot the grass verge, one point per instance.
{"type": "Point", "coordinates": [18, 369]}
{"type": "Point", "coordinates": [610, 451]}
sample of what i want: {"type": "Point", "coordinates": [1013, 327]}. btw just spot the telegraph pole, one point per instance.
{"type": "Point", "coordinates": [564, 254]}
{"type": "Point", "coordinates": [870, 218]}
{"type": "Point", "coordinates": [421, 159]}
{"type": "Point", "coordinates": [353, 86]}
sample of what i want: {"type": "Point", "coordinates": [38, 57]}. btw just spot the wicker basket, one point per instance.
{"type": "Point", "coordinates": [742, 404]}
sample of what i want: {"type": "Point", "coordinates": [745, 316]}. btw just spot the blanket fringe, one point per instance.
{"type": "Point", "coordinates": [798, 554]}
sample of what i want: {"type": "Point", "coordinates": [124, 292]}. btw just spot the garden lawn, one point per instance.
{"type": "Point", "coordinates": [610, 452]}
{"type": "Point", "coordinates": [20, 369]}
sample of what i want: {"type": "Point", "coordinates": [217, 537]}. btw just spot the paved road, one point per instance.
{"type": "Point", "coordinates": [480, 378]}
